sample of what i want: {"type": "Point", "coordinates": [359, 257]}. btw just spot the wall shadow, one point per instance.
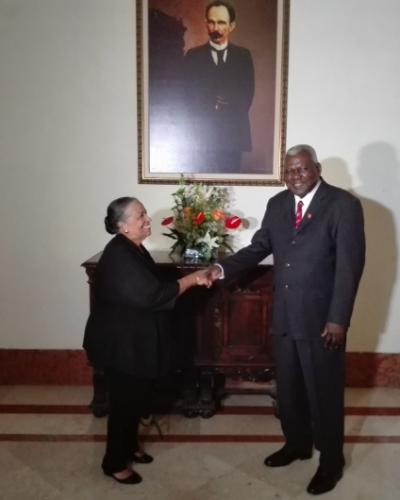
{"type": "Point", "coordinates": [377, 171]}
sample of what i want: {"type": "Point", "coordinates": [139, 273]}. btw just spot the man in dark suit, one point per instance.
{"type": "Point", "coordinates": [315, 232]}
{"type": "Point", "coordinates": [219, 85]}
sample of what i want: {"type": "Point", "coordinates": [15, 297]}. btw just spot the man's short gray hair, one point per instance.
{"type": "Point", "coordinates": [295, 150]}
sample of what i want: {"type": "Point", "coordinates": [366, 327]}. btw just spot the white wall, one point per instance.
{"type": "Point", "coordinates": [68, 146]}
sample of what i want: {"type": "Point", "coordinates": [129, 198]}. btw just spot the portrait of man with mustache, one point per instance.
{"type": "Point", "coordinates": [219, 81]}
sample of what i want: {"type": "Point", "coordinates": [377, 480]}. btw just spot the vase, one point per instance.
{"type": "Point", "coordinates": [195, 255]}
{"type": "Point", "coordinates": [192, 255]}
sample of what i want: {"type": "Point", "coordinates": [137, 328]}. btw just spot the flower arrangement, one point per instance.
{"type": "Point", "coordinates": [200, 223]}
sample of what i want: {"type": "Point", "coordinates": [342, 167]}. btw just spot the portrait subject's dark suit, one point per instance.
{"type": "Point", "coordinates": [317, 269]}
{"type": "Point", "coordinates": [213, 127]}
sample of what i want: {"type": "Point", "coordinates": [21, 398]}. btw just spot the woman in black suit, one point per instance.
{"type": "Point", "coordinates": [127, 332]}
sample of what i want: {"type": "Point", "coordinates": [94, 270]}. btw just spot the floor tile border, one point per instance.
{"type": "Point", "coordinates": [46, 409]}
{"type": "Point", "coordinates": [179, 438]}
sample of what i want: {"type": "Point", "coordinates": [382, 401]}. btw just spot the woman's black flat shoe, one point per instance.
{"type": "Point", "coordinates": [144, 458]}
{"type": "Point", "coordinates": [134, 478]}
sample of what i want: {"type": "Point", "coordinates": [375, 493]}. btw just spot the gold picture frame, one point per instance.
{"type": "Point", "coordinates": [208, 144]}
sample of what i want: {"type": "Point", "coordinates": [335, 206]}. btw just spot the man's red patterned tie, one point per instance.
{"type": "Point", "coordinates": [299, 214]}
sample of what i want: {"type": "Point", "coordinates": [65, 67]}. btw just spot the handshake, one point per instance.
{"type": "Point", "coordinates": [206, 277]}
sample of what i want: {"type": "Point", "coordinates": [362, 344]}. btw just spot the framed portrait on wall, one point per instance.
{"type": "Point", "coordinates": [212, 87]}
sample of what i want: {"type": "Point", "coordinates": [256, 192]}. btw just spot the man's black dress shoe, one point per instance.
{"type": "Point", "coordinates": [143, 458]}
{"type": "Point", "coordinates": [324, 481]}
{"type": "Point", "coordinates": [134, 478]}
{"type": "Point", "coordinates": [284, 456]}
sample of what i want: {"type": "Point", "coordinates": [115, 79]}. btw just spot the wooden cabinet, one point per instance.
{"type": "Point", "coordinates": [232, 323]}
{"type": "Point", "coordinates": [223, 330]}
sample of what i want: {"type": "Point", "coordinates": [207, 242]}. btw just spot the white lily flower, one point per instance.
{"type": "Point", "coordinates": [210, 241]}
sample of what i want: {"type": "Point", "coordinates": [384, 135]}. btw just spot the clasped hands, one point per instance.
{"type": "Point", "coordinates": [206, 277]}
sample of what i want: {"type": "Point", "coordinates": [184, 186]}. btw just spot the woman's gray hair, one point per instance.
{"type": "Point", "coordinates": [295, 150]}
{"type": "Point", "coordinates": [116, 213]}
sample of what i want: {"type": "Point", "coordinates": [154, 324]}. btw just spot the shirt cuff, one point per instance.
{"type": "Point", "coordinates": [222, 275]}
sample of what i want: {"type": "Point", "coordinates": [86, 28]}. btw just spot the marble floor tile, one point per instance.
{"type": "Point", "coordinates": [183, 468]}
{"type": "Point", "coordinates": [189, 472]}
{"type": "Point", "coordinates": [374, 396]}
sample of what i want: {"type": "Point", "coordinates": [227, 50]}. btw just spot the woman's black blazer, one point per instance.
{"type": "Point", "coordinates": [129, 327]}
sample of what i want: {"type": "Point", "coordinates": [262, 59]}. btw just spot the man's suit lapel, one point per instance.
{"type": "Point", "coordinates": [207, 57]}
{"type": "Point", "coordinates": [288, 210]}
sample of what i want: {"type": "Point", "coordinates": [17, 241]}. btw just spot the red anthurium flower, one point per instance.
{"type": "Point", "coordinates": [200, 217]}
{"type": "Point", "coordinates": [233, 222]}
{"type": "Point", "coordinates": [167, 221]}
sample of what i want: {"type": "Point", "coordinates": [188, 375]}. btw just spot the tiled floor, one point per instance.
{"type": "Point", "coordinates": [51, 448]}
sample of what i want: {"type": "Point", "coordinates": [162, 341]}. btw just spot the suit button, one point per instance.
{"type": "Point", "coordinates": [286, 286]}
{"type": "Point", "coordinates": [293, 242]}
{"type": "Point", "coordinates": [287, 264]}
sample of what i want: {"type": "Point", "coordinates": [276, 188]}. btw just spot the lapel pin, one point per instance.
{"type": "Point", "coordinates": [309, 216]}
